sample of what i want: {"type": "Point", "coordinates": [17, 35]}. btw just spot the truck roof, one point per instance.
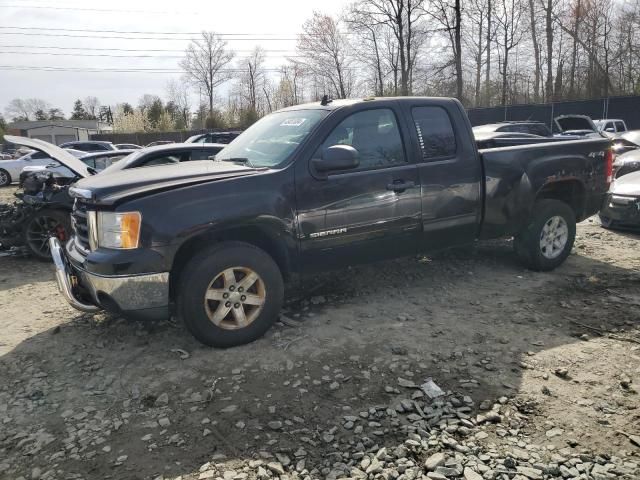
{"type": "Point", "coordinates": [335, 104]}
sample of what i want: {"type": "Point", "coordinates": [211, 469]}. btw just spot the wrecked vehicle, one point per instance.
{"type": "Point", "coordinates": [315, 187]}
{"type": "Point", "coordinates": [621, 207]}
{"type": "Point", "coordinates": [576, 125]}
{"type": "Point", "coordinates": [41, 210]}
{"type": "Point", "coordinates": [626, 163]}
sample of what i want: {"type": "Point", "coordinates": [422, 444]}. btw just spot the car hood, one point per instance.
{"type": "Point", "coordinates": [111, 188]}
{"type": "Point", "coordinates": [53, 151]}
{"type": "Point", "coordinates": [569, 123]}
{"type": "Point", "coordinates": [627, 185]}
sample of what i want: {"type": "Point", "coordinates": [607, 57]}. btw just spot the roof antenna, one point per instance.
{"type": "Point", "coordinates": [325, 100]}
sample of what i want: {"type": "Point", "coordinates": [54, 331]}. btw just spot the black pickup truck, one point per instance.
{"type": "Point", "coordinates": [315, 187]}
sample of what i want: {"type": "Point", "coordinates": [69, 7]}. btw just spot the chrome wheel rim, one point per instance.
{"type": "Point", "coordinates": [235, 298]}
{"type": "Point", "coordinates": [553, 238]}
{"type": "Point", "coordinates": [4, 178]}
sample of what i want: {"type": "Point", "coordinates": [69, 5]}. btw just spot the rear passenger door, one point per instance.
{"type": "Point", "coordinates": [450, 173]}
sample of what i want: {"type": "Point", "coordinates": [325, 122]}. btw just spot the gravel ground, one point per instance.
{"type": "Point", "coordinates": [538, 375]}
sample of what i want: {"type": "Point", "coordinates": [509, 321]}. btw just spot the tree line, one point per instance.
{"type": "Point", "coordinates": [483, 52]}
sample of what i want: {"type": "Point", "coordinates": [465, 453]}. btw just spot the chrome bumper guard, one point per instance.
{"type": "Point", "coordinates": [126, 293]}
{"type": "Point", "coordinates": [64, 278]}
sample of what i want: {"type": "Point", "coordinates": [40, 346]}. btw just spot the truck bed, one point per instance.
{"type": "Point", "coordinates": [516, 175]}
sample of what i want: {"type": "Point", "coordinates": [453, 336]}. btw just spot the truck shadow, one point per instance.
{"type": "Point", "coordinates": [99, 388]}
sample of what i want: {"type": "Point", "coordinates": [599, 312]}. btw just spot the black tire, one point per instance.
{"type": "Point", "coordinates": [528, 243]}
{"type": "Point", "coordinates": [5, 178]}
{"type": "Point", "coordinates": [42, 225]}
{"type": "Point", "coordinates": [196, 280]}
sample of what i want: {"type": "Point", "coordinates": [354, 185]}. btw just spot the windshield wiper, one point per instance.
{"type": "Point", "coordinates": [241, 160]}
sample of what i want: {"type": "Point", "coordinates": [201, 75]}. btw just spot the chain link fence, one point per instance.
{"type": "Point", "coordinates": [625, 108]}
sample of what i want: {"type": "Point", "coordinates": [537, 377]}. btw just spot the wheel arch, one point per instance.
{"type": "Point", "coordinates": [263, 237]}
{"type": "Point", "coordinates": [570, 191]}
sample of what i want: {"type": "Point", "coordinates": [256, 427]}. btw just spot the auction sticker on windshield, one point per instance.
{"type": "Point", "coordinates": [293, 122]}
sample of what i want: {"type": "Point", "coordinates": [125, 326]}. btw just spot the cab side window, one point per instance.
{"type": "Point", "coordinates": [374, 134]}
{"type": "Point", "coordinates": [620, 127]}
{"type": "Point", "coordinates": [435, 133]}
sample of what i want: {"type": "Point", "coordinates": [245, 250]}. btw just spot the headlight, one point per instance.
{"type": "Point", "coordinates": [115, 230]}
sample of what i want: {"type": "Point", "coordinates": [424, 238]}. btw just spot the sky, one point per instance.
{"type": "Point", "coordinates": [61, 51]}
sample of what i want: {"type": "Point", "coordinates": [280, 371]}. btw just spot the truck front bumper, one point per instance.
{"type": "Point", "coordinates": [142, 296]}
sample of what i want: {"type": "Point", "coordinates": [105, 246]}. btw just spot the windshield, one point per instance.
{"type": "Point", "coordinates": [270, 141]}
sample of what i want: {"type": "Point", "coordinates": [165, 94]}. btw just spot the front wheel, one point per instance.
{"type": "Point", "coordinates": [548, 239]}
{"type": "Point", "coordinates": [42, 225]}
{"type": "Point", "coordinates": [230, 294]}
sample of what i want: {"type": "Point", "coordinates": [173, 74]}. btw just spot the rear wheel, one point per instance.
{"type": "Point", "coordinates": [5, 178]}
{"type": "Point", "coordinates": [548, 239]}
{"type": "Point", "coordinates": [42, 225]}
{"type": "Point", "coordinates": [230, 294]}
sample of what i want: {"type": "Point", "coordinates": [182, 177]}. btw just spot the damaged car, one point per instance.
{"type": "Point", "coordinates": [622, 204]}
{"type": "Point", "coordinates": [43, 206]}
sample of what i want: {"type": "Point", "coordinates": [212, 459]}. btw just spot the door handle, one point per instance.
{"type": "Point", "coordinates": [401, 185]}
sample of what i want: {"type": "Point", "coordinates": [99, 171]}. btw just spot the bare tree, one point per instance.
{"type": "Point", "coordinates": [91, 106]}
{"type": "Point", "coordinates": [324, 50]}
{"type": "Point", "coordinates": [533, 16]}
{"type": "Point", "coordinates": [253, 78]}
{"type": "Point", "coordinates": [403, 18]}
{"type": "Point", "coordinates": [369, 35]}
{"type": "Point", "coordinates": [449, 16]}
{"type": "Point", "coordinates": [178, 94]}
{"type": "Point", "coordinates": [25, 109]}
{"type": "Point", "coordinates": [205, 64]}
{"type": "Point", "coordinates": [475, 41]}
{"type": "Point", "coordinates": [18, 110]}
{"type": "Point", "coordinates": [509, 36]}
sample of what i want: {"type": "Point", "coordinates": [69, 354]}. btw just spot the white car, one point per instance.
{"type": "Point", "coordinates": [10, 169]}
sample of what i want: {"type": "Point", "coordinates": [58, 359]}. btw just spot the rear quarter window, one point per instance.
{"type": "Point", "coordinates": [435, 132]}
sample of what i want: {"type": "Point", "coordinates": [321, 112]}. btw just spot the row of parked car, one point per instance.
{"type": "Point", "coordinates": [101, 154]}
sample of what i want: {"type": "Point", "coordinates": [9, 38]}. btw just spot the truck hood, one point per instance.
{"type": "Point", "coordinates": [53, 151]}
{"type": "Point", "coordinates": [628, 184]}
{"type": "Point", "coordinates": [110, 188]}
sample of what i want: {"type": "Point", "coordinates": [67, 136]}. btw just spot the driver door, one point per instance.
{"type": "Point", "coordinates": [366, 213]}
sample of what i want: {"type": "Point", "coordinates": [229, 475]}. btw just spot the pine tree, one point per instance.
{"type": "Point", "coordinates": [78, 112]}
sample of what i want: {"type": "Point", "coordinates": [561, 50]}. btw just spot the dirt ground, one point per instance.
{"type": "Point", "coordinates": [85, 396]}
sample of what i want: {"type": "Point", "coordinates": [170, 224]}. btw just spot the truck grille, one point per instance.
{"type": "Point", "coordinates": [80, 224]}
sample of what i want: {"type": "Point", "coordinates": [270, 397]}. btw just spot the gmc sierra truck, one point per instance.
{"type": "Point", "coordinates": [315, 187]}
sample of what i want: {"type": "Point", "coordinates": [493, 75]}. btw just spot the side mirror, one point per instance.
{"type": "Point", "coordinates": [337, 157]}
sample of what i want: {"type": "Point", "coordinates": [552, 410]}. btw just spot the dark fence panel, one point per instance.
{"type": "Point", "coordinates": [626, 108]}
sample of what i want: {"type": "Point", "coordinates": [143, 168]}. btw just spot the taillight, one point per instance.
{"type": "Point", "coordinates": [608, 158]}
